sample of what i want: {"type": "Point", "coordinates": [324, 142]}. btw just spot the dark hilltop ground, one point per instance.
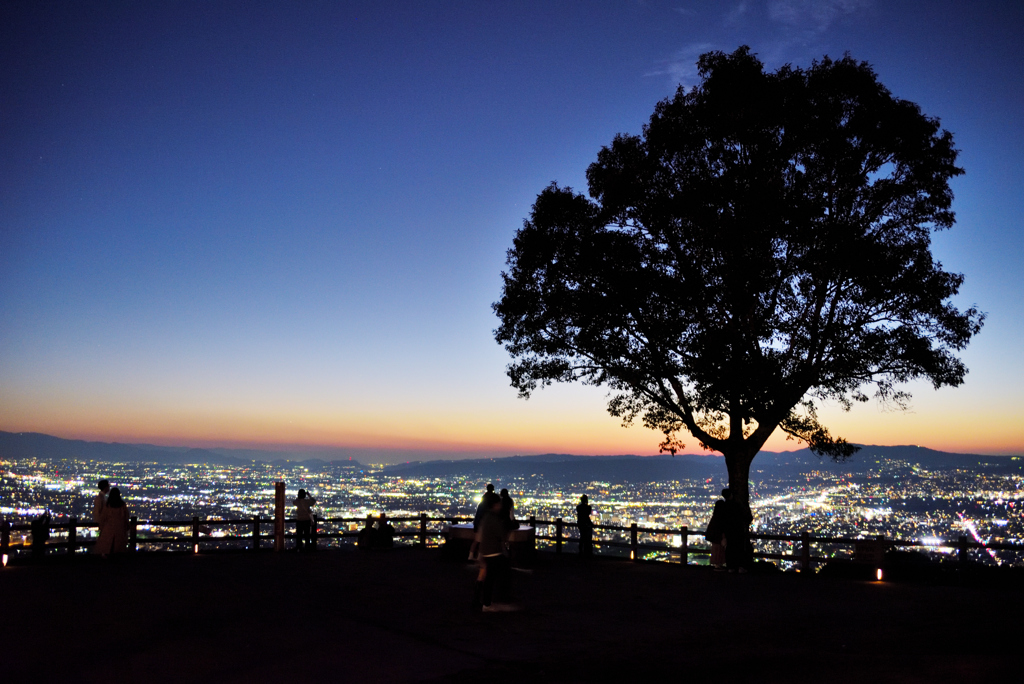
{"type": "Point", "coordinates": [404, 616]}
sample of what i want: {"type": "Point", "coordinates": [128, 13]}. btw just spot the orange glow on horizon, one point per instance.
{"type": "Point", "coordinates": [548, 423]}
{"type": "Point", "coordinates": [596, 439]}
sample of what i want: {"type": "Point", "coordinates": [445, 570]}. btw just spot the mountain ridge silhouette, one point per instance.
{"type": "Point", "coordinates": [554, 465]}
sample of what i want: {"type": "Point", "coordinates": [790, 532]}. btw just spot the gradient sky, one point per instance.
{"type": "Point", "coordinates": [283, 223]}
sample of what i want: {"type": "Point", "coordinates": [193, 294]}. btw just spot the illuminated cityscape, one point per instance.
{"type": "Point", "coordinates": [894, 498]}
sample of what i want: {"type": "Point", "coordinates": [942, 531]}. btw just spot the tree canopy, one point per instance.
{"type": "Point", "coordinates": [762, 246]}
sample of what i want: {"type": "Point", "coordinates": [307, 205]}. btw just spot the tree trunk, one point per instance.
{"type": "Point", "coordinates": [738, 464]}
{"type": "Point", "coordinates": [738, 550]}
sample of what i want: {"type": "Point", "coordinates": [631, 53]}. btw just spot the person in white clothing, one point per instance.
{"type": "Point", "coordinates": [100, 500]}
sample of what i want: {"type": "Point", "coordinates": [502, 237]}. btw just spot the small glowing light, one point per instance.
{"type": "Point", "coordinates": [195, 549]}
{"type": "Point", "coordinates": [632, 556]}
{"type": "Point", "coordinates": [878, 574]}
{"type": "Point", "coordinates": [5, 560]}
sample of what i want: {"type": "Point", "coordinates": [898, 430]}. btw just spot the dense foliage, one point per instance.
{"type": "Point", "coordinates": [763, 245]}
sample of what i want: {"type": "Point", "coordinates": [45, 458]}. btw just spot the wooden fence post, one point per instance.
{"type": "Point", "coordinates": [558, 535]}
{"type": "Point", "coordinates": [195, 534]}
{"type": "Point", "coordinates": [72, 535]}
{"type": "Point", "coordinates": [684, 548]}
{"type": "Point", "coordinates": [805, 551]}
{"type": "Point", "coordinates": [279, 516]}
{"type": "Point", "coordinates": [961, 554]}
{"type": "Point", "coordinates": [255, 533]}
{"type": "Point", "coordinates": [133, 534]}
{"type": "Point", "coordinates": [634, 551]}
{"type": "Point", "coordinates": [312, 531]}
{"type": "Point", "coordinates": [5, 541]}
{"type": "Point", "coordinates": [423, 530]}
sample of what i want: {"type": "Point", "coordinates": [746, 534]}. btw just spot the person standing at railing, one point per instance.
{"type": "Point", "coordinates": [715, 531]}
{"type": "Point", "coordinates": [40, 533]}
{"type": "Point", "coordinates": [304, 520]}
{"type": "Point", "coordinates": [508, 507]}
{"type": "Point", "coordinates": [494, 577]}
{"type": "Point", "coordinates": [486, 502]}
{"type": "Point", "coordinates": [585, 526]}
{"type": "Point", "coordinates": [113, 525]}
{"type": "Point", "coordinates": [100, 500]}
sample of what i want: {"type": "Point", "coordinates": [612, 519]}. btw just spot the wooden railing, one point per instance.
{"type": "Point", "coordinates": [199, 535]}
{"type": "Point", "coordinates": [873, 547]}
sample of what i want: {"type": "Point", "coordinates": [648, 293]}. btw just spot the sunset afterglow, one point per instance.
{"type": "Point", "coordinates": [285, 227]}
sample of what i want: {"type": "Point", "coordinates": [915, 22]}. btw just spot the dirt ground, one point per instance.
{"type": "Point", "coordinates": [405, 616]}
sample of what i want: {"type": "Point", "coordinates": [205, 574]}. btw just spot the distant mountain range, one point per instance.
{"type": "Point", "coordinates": [557, 467]}
{"type": "Point", "coordinates": [569, 467]}
{"type": "Point", "coordinates": [47, 447]}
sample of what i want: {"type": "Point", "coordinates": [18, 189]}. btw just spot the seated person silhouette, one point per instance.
{"type": "Point", "coordinates": [367, 535]}
{"type": "Point", "coordinates": [385, 533]}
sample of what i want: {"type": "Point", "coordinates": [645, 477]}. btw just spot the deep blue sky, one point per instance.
{"type": "Point", "coordinates": [285, 222]}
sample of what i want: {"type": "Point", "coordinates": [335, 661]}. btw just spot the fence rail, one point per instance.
{"type": "Point", "coordinates": [199, 535]}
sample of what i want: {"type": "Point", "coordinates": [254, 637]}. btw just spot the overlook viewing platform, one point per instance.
{"type": "Point", "coordinates": [403, 615]}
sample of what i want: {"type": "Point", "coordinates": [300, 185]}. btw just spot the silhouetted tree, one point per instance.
{"type": "Point", "coordinates": [762, 246]}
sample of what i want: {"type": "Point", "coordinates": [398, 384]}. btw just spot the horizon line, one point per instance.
{"type": "Point", "coordinates": [275, 451]}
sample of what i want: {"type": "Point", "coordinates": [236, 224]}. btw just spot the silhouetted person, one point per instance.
{"type": "Point", "coordinates": [486, 502]}
{"type": "Point", "coordinates": [100, 500]}
{"type": "Point", "coordinates": [385, 534]}
{"type": "Point", "coordinates": [40, 533]}
{"type": "Point", "coordinates": [113, 525]}
{"type": "Point", "coordinates": [737, 535]}
{"type": "Point", "coordinates": [586, 526]}
{"type": "Point", "coordinates": [493, 578]}
{"type": "Point", "coordinates": [508, 515]}
{"type": "Point", "coordinates": [304, 520]}
{"type": "Point", "coordinates": [367, 535]}
{"type": "Point", "coordinates": [715, 531]}
{"type": "Point", "coordinates": [5, 534]}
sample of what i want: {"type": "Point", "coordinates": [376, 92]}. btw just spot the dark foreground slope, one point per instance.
{"type": "Point", "coordinates": [404, 616]}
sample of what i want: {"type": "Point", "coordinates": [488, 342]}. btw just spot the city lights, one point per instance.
{"type": "Point", "coordinates": [891, 498]}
